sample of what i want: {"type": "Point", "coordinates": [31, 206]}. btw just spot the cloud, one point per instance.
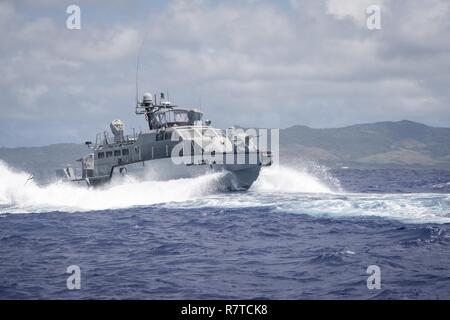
{"type": "Point", "coordinates": [6, 11]}
{"type": "Point", "coordinates": [27, 96]}
{"type": "Point", "coordinates": [254, 63]}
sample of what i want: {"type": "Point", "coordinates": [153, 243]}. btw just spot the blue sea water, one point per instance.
{"type": "Point", "coordinates": [295, 235]}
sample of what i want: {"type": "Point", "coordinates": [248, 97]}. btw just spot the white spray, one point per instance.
{"type": "Point", "coordinates": [282, 179]}
{"type": "Point", "coordinates": [17, 197]}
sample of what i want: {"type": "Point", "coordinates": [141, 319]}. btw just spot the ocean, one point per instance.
{"type": "Point", "coordinates": [298, 233]}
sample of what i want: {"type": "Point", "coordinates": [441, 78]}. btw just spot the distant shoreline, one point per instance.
{"type": "Point", "coordinates": [401, 144]}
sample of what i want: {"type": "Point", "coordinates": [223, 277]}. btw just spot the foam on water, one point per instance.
{"type": "Point", "coordinates": [296, 191]}
{"type": "Point", "coordinates": [15, 196]}
{"type": "Point", "coordinates": [284, 189]}
{"type": "Point", "coordinates": [288, 180]}
{"type": "Point", "coordinates": [408, 208]}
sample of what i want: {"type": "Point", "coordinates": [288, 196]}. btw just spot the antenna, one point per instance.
{"type": "Point", "coordinates": [137, 66]}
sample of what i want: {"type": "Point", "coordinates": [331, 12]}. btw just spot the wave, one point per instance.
{"type": "Point", "coordinates": [289, 180]}
{"type": "Point", "coordinates": [407, 208]}
{"type": "Point", "coordinates": [15, 196]}
{"type": "Point", "coordinates": [281, 189]}
{"type": "Point", "coordinates": [18, 196]}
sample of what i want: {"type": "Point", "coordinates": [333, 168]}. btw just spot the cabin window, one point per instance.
{"type": "Point", "coordinates": [109, 154]}
{"type": "Point", "coordinates": [116, 153]}
{"type": "Point", "coordinates": [101, 155]}
{"type": "Point", "coordinates": [177, 116]}
{"type": "Point", "coordinates": [168, 135]}
{"type": "Point", "coordinates": [125, 152]}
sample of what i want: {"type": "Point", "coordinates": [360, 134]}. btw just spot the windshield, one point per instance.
{"type": "Point", "coordinates": [169, 118]}
{"type": "Point", "coordinates": [199, 133]}
{"type": "Point", "coordinates": [177, 116]}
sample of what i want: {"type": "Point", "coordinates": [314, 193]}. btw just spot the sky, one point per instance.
{"type": "Point", "coordinates": [253, 63]}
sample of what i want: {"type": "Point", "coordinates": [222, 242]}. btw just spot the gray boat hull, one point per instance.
{"type": "Point", "coordinates": [235, 176]}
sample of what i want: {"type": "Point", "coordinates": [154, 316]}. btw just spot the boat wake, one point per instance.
{"type": "Point", "coordinates": [18, 197]}
{"type": "Point", "coordinates": [413, 208]}
{"type": "Point", "coordinates": [289, 180]}
{"type": "Point", "coordinates": [281, 189]}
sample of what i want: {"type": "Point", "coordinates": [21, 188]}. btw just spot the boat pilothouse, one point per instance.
{"type": "Point", "coordinates": [177, 144]}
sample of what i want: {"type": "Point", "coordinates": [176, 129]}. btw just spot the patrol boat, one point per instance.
{"type": "Point", "coordinates": [177, 144]}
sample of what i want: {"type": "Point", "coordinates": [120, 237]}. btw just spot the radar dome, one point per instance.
{"type": "Point", "coordinates": [148, 98]}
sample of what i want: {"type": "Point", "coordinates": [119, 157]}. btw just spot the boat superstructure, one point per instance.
{"type": "Point", "coordinates": [177, 144]}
